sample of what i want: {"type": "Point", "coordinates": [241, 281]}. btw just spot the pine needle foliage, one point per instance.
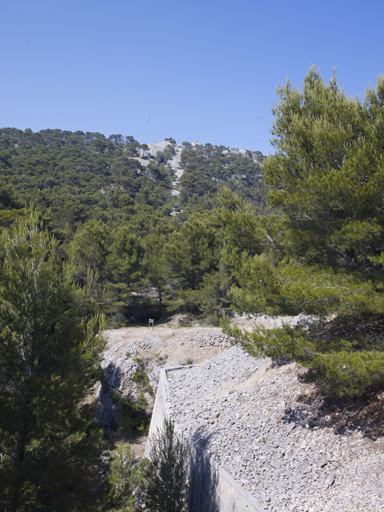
{"type": "Point", "coordinates": [49, 363]}
{"type": "Point", "coordinates": [322, 253]}
{"type": "Point", "coordinates": [123, 479]}
{"type": "Point", "coordinates": [165, 474]}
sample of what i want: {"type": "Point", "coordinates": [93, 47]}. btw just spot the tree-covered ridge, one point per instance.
{"type": "Point", "coordinates": [78, 176]}
{"type": "Point", "coordinates": [207, 168]}
{"type": "Point", "coordinates": [109, 202]}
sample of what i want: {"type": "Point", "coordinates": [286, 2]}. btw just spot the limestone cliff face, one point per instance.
{"type": "Point", "coordinates": [217, 163]}
{"type": "Point", "coordinates": [117, 380]}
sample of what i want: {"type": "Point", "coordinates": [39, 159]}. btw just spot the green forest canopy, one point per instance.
{"type": "Point", "coordinates": [114, 211]}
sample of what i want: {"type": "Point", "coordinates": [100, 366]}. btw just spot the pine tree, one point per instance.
{"type": "Point", "coordinates": [123, 478]}
{"type": "Point", "coordinates": [323, 254]}
{"type": "Point", "coordinates": [49, 364]}
{"type": "Point", "coordinates": [165, 474]}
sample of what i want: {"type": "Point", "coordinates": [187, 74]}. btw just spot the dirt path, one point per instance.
{"type": "Point", "coordinates": [173, 345]}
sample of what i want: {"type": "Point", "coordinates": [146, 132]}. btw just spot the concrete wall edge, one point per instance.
{"type": "Point", "coordinates": [162, 409]}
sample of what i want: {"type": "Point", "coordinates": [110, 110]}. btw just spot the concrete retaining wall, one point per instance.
{"type": "Point", "coordinates": [213, 489]}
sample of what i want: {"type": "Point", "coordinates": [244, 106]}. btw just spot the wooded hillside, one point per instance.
{"type": "Point", "coordinates": [111, 203]}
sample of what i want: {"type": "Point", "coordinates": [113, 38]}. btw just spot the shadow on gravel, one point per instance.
{"type": "Point", "coordinates": [344, 416]}
{"type": "Point", "coordinates": [200, 438]}
{"type": "Point", "coordinates": [363, 414]}
{"type": "Point", "coordinates": [278, 363]}
{"type": "Point", "coordinates": [204, 477]}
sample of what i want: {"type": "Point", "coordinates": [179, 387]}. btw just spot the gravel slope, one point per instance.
{"type": "Point", "coordinates": [260, 422]}
{"type": "Point", "coordinates": [252, 419]}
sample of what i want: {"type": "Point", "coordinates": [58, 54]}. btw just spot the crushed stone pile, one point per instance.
{"type": "Point", "coordinates": [246, 413]}
{"type": "Point", "coordinates": [128, 348]}
{"type": "Point", "coordinates": [209, 339]}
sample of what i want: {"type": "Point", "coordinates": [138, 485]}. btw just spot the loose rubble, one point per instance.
{"type": "Point", "coordinates": [244, 412]}
{"type": "Point", "coordinates": [129, 347]}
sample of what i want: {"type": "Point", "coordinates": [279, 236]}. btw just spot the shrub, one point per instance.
{"type": "Point", "coordinates": [165, 476]}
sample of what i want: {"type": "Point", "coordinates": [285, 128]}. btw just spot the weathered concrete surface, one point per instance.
{"type": "Point", "coordinates": [161, 407]}
{"type": "Point", "coordinates": [214, 489]}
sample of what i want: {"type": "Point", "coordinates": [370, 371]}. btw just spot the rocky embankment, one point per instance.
{"type": "Point", "coordinates": [260, 422]}
{"type": "Point", "coordinates": [131, 347]}
{"type": "Point", "coordinates": [265, 427]}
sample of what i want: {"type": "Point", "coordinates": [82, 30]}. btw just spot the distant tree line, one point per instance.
{"type": "Point", "coordinates": [112, 214]}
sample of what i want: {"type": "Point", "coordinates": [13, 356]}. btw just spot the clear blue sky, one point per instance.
{"type": "Point", "coordinates": [205, 70]}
